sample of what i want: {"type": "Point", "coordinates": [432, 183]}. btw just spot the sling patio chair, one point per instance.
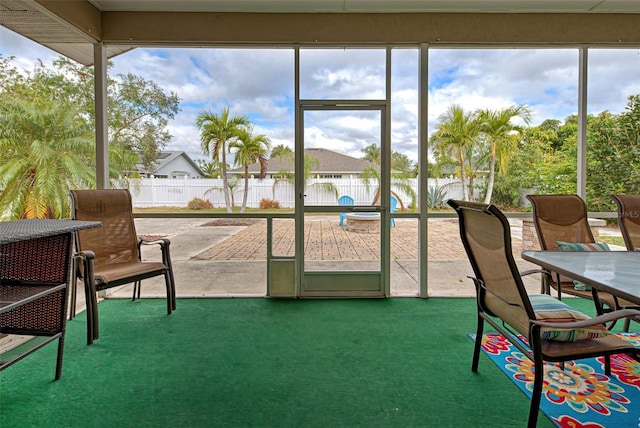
{"type": "Point", "coordinates": [629, 223]}
{"type": "Point", "coordinates": [111, 254]}
{"type": "Point", "coordinates": [629, 219]}
{"type": "Point", "coordinates": [561, 221]}
{"type": "Point", "coordinates": [540, 326]}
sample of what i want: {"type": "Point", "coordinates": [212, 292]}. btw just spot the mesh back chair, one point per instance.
{"type": "Point", "coordinates": [503, 302]}
{"type": "Point", "coordinates": [629, 223]}
{"type": "Point", "coordinates": [629, 219]}
{"type": "Point", "coordinates": [112, 252]}
{"type": "Point", "coordinates": [564, 218]}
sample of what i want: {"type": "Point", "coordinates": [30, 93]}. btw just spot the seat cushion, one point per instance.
{"type": "Point", "coordinates": [550, 309]}
{"type": "Point", "coordinates": [577, 246]}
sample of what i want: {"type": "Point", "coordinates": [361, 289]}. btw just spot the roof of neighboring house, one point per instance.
{"type": "Point", "coordinates": [166, 157]}
{"type": "Point", "coordinates": [329, 162]}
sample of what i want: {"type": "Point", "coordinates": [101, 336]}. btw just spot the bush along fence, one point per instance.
{"type": "Point", "coordinates": [158, 192]}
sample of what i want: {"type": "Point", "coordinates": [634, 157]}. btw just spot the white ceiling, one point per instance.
{"type": "Point", "coordinates": [362, 6]}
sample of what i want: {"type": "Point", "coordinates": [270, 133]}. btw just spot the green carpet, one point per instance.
{"type": "Point", "coordinates": [266, 363]}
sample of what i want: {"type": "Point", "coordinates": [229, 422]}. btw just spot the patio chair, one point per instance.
{"type": "Point", "coordinates": [527, 321]}
{"type": "Point", "coordinates": [394, 206]}
{"type": "Point", "coordinates": [563, 218]}
{"type": "Point", "coordinates": [629, 219]}
{"type": "Point", "coordinates": [112, 253]}
{"type": "Point", "coordinates": [344, 200]}
{"type": "Point", "coordinates": [629, 223]}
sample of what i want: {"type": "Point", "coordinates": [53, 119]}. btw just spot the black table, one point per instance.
{"type": "Point", "coordinates": [35, 272]}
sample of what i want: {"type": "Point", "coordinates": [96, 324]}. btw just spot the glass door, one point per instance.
{"type": "Point", "coordinates": [343, 207]}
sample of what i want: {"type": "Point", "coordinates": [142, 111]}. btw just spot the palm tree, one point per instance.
{"type": "Point", "coordinates": [372, 153]}
{"type": "Point", "coordinates": [456, 132]}
{"type": "Point", "coordinates": [46, 148]}
{"type": "Point", "coordinates": [280, 150]}
{"type": "Point", "coordinates": [399, 180]}
{"type": "Point", "coordinates": [310, 163]}
{"type": "Point", "coordinates": [500, 132]}
{"type": "Point", "coordinates": [215, 132]}
{"type": "Point", "coordinates": [250, 148]}
{"type": "Point", "coordinates": [210, 169]}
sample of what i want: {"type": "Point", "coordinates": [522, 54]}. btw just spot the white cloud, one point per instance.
{"type": "Point", "coordinates": [27, 52]}
{"type": "Point", "coordinates": [259, 83]}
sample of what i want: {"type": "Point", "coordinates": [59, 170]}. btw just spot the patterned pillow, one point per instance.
{"type": "Point", "coordinates": [550, 309]}
{"type": "Point", "coordinates": [576, 246]}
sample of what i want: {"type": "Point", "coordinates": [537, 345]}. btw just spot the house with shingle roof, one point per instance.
{"type": "Point", "coordinates": [172, 164]}
{"type": "Point", "coordinates": [329, 164]}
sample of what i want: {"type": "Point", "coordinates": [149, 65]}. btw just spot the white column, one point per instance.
{"type": "Point", "coordinates": [581, 171]}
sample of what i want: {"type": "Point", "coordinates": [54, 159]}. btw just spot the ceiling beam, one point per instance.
{"type": "Point", "coordinates": [377, 28]}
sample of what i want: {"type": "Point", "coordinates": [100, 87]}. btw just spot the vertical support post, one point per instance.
{"type": "Point", "coordinates": [423, 173]}
{"type": "Point", "coordinates": [581, 171]}
{"type": "Point", "coordinates": [100, 88]}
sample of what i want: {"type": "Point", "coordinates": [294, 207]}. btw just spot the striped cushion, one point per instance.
{"type": "Point", "coordinates": [576, 246]}
{"type": "Point", "coordinates": [550, 309]}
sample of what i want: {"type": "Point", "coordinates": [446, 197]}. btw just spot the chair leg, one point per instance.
{"type": "Point", "coordinates": [137, 286]}
{"type": "Point", "coordinates": [60, 356]}
{"type": "Point", "coordinates": [536, 394]}
{"type": "Point", "coordinates": [72, 303]}
{"type": "Point", "coordinates": [478, 344]}
{"type": "Point", "coordinates": [607, 365]}
{"type": "Point", "coordinates": [169, 287]}
{"type": "Point", "coordinates": [166, 258]}
{"type": "Point", "coordinates": [627, 324]}
{"type": "Point", "coordinates": [91, 310]}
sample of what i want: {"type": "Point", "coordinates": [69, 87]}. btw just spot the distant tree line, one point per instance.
{"type": "Point", "coordinates": [47, 133]}
{"type": "Point", "coordinates": [514, 160]}
{"type": "Point", "coordinates": [47, 144]}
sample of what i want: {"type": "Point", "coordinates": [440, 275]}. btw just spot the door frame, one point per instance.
{"type": "Point", "coordinates": [365, 283]}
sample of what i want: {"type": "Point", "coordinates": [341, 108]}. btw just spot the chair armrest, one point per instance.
{"type": "Point", "coordinates": [600, 319]}
{"type": "Point", "coordinates": [86, 255]}
{"type": "Point", "coordinates": [162, 241]}
{"type": "Point", "coordinates": [164, 244]}
{"type": "Point", "coordinates": [532, 271]}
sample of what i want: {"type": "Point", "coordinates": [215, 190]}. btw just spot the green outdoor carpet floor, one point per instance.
{"type": "Point", "coordinates": [266, 363]}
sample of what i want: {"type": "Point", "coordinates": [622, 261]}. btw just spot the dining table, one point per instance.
{"type": "Point", "coordinates": [617, 272]}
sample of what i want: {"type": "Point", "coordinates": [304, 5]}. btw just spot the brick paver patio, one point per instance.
{"type": "Point", "coordinates": [326, 240]}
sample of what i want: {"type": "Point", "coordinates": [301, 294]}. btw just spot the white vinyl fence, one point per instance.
{"type": "Point", "coordinates": [157, 192]}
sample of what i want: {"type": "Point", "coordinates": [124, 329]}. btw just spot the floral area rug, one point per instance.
{"type": "Point", "coordinates": [581, 395]}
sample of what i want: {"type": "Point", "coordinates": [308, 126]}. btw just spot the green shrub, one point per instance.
{"type": "Point", "coordinates": [436, 197]}
{"type": "Point", "coordinates": [199, 204]}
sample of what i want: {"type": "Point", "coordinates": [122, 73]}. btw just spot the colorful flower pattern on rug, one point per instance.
{"type": "Point", "coordinates": [581, 395]}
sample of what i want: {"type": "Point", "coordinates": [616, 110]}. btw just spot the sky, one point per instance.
{"type": "Point", "coordinates": [260, 85]}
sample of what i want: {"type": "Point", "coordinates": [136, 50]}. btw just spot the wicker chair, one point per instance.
{"type": "Point", "coordinates": [503, 302]}
{"type": "Point", "coordinates": [629, 223]}
{"type": "Point", "coordinates": [564, 218]}
{"type": "Point", "coordinates": [111, 253]}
